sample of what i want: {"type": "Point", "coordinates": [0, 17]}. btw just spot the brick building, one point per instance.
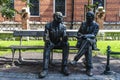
{"type": "Point", "coordinates": [73, 10]}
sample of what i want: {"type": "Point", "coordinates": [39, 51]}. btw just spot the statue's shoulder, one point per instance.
{"type": "Point", "coordinates": [48, 25]}
{"type": "Point", "coordinates": [95, 23]}
{"type": "Point", "coordinates": [83, 23]}
{"type": "Point", "coordinates": [63, 25]}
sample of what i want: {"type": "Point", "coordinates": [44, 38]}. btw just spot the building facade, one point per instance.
{"type": "Point", "coordinates": [73, 11]}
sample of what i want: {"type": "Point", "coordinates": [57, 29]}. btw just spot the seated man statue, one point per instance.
{"type": "Point", "coordinates": [55, 37]}
{"type": "Point", "coordinates": [87, 41]}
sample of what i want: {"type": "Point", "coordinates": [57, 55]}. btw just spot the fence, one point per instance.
{"type": "Point", "coordinates": [109, 35]}
{"type": "Point", "coordinates": [10, 26]}
{"type": "Point", "coordinates": [102, 35]}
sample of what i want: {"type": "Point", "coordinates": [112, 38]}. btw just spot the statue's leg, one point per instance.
{"type": "Point", "coordinates": [46, 59]}
{"type": "Point", "coordinates": [88, 57]}
{"type": "Point", "coordinates": [65, 55]}
{"type": "Point", "coordinates": [79, 55]}
{"type": "Point", "coordinates": [94, 45]}
{"type": "Point", "coordinates": [80, 52]}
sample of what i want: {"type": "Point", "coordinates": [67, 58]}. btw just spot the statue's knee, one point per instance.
{"type": "Point", "coordinates": [66, 45]}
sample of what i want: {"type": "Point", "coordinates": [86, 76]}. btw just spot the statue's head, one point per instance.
{"type": "Point", "coordinates": [89, 16]}
{"type": "Point", "coordinates": [58, 17]}
{"type": "Point", "coordinates": [24, 9]}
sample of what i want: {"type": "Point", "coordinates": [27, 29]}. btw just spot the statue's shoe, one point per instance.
{"type": "Point", "coordinates": [96, 49]}
{"type": "Point", "coordinates": [43, 74]}
{"type": "Point", "coordinates": [89, 73]}
{"type": "Point", "coordinates": [73, 62]}
{"type": "Point", "coordinates": [65, 71]}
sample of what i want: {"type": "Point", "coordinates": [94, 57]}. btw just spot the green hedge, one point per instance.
{"type": "Point", "coordinates": [100, 36]}
{"type": "Point", "coordinates": [6, 36]}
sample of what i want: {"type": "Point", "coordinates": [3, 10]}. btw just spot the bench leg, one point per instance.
{"type": "Point", "coordinates": [51, 56]}
{"type": "Point", "coordinates": [13, 54]}
{"type": "Point", "coordinates": [20, 56]}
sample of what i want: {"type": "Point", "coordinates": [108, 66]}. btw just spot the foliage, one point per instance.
{"type": "Point", "coordinates": [91, 6]}
{"type": "Point", "coordinates": [6, 9]}
{"type": "Point", "coordinates": [6, 36]}
{"type": "Point", "coordinates": [7, 12]}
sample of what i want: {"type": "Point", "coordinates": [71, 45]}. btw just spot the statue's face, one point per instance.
{"type": "Point", "coordinates": [89, 17]}
{"type": "Point", "coordinates": [58, 17]}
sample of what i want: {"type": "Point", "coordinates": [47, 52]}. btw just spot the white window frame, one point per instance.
{"type": "Point", "coordinates": [104, 3]}
{"type": "Point", "coordinates": [29, 9]}
{"type": "Point", "coordinates": [65, 7]}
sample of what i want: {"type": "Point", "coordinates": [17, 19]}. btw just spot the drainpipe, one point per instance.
{"type": "Point", "coordinates": [85, 12]}
{"type": "Point", "coordinates": [72, 17]}
{"type": "Point", "coordinates": [88, 2]}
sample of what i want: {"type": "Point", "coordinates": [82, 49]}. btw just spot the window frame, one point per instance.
{"type": "Point", "coordinates": [104, 4]}
{"type": "Point", "coordinates": [29, 9]}
{"type": "Point", "coordinates": [13, 4]}
{"type": "Point", "coordinates": [65, 8]}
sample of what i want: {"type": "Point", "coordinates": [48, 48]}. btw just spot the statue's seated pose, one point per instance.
{"type": "Point", "coordinates": [87, 41]}
{"type": "Point", "coordinates": [55, 37]}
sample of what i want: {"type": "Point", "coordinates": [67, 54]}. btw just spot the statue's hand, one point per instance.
{"type": "Point", "coordinates": [65, 38]}
{"type": "Point", "coordinates": [83, 36]}
{"type": "Point", "coordinates": [52, 44]}
{"type": "Point", "coordinates": [91, 36]}
{"type": "Point", "coordinates": [49, 44]}
{"type": "Point", "coordinates": [80, 37]}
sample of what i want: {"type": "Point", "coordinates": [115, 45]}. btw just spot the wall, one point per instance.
{"type": "Point", "coordinates": [46, 12]}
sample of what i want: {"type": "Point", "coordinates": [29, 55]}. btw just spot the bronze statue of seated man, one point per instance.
{"type": "Point", "coordinates": [55, 37]}
{"type": "Point", "coordinates": [87, 41]}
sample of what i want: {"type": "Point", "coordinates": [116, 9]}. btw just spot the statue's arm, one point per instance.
{"type": "Point", "coordinates": [96, 29]}
{"type": "Point", "coordinates": [46, 37]}
{"type": "Point", "coordinates": [46, 34]}
{"type": "Point", "coordinates": [80, 30]}
{"type": "Point", "coordinates": [65, 37]}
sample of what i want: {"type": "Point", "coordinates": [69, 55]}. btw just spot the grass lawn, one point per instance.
{"type": "Point", "coordinates": [102, 45]}
{"type": "Point", "coordinates": [4, 45]}
{"type": "Point", "coordinates": [115, 46]}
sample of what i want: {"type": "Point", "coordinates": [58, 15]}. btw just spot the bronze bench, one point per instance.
{"type": "Point", "coordinates": [34, 33]}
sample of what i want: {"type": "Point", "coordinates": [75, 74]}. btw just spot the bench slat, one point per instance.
{"type": "Point", "coordinates": [35, 47]}
{"type": "Point", "coordinates": [116, 53]}
{"type": "Point", "coordinates": [28, 33]}
{"type": "Point", "coordinates": [40, 33]}
{"type": "Point", "coordinates": [26, 47]}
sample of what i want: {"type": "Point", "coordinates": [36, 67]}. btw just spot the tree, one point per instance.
{"type": "Point", "coordinates": [6, 10]}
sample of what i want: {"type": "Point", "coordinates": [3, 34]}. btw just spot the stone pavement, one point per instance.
{"type": "Point", "coordinates": [30, 72]}
{"type": "Point", "coordinates": [58, 76]}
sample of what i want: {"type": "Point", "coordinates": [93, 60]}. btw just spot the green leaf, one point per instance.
{"type": "Point", "coordinates": [6, 9]}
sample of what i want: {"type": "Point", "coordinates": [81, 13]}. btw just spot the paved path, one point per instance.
{"type": "Point", "coordinates": [29, 76]}
{"type": "Point", "coordinates": [99, 66]}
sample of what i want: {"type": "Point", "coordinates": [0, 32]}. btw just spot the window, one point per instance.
{"type": "Point", "coordinates": [60, 6]}
{"type": "Point", "coordinates": [34, 10]}
{"type": "Point", "coordinates": [100, 2]}
{"type": "Point", "coordinates": [12, 4]}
